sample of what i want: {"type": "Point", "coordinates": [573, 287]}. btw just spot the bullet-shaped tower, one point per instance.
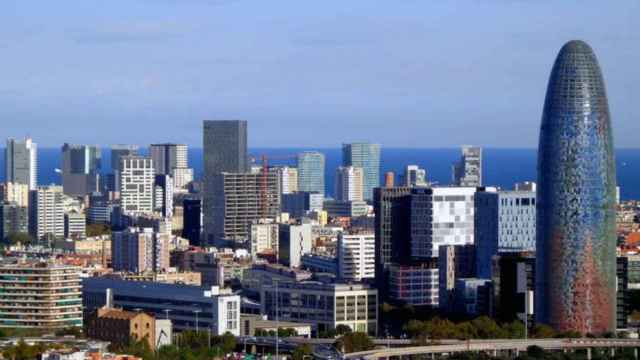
{"type": "Point", "coordinates": [576, 239]}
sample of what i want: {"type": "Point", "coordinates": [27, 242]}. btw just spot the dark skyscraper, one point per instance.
{"type": "Point", "coordinates": [80, 169]}
{"type": "Point", "coordinates": [191, 221]}
{"type": "Point", "coordinates": [576, 239]}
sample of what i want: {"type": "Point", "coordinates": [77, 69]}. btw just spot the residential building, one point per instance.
{"type": "Point", "coordinates": [13, 219]}
{"type": "Point", "coordinates": [136, 185]}
{"type": "Point", "coordinates": [140, 250]}
{"type": "Point", "coordinates": [367, 157]}
{"type": "Point", "coordinates": [298, 204]}
{"type": "Point", "coordinates": [81, 166]}
{"type": "Point", "coordinates": [167, 157]}
{"type": "Point", "coordinates": [504, 221]}
{"type": "Point", "coordinates": [75, 225]}
{"type": "Point", "coordinates": [324, 305]}
{"type": "Point", "coordinates": [264, 238]}
{"type": "Point", "coordinates": [163, 195]}
{"type": "Point", "coordinates": [349, 183]}
{"type": "Point", "coordinates": [40, 295]}
{"type": "Point", "coordinates": [21, 162]}
{"type": "Point", "coordinates": [288, 179]}
{"type": "Point", "coordinates": [117, 153]}
{"type": "Point", "coordinates": [182, 177]}
{"type": "Point", "coordinates": [293, 242]}
{"type": "Point", "coordinates": [576, 199]}
{"type": "Point", "coordinates": [415, 176]}
{"type": "Point", "coordinates": [46, 212]}
{"type": "Point", "coordinates": [15, 193]}
{"type": "Point", "coordinates": [188, 307]}
{"type": "Point", "coordinates": [468, 170]}
{"type": "Point", "coordinates": [237, 200]}
{"type": "Point", "coordinates": [345, 208]}
{"type": "Point", "coordinates": [356, 256]}
{"type": "Point", "coordinates": [311, 172]}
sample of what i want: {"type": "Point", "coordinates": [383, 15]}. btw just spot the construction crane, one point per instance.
{"type": "Point", "coordinates": [264, 180]}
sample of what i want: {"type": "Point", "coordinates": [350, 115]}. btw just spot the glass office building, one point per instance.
{"type": "Point", "coordinates": [367, 157]}
{"type": "Point", "coordinates": [576, 238]}
{"type": "Point", "coordinates": [311, 172]}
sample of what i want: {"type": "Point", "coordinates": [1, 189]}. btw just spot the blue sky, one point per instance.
{"type": "Point", "coordinates": [410, 73]}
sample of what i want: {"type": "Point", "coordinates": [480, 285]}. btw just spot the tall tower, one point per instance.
{"type": "Point", "coordinates": [311, 172]}
{"type": "Point", "coordinates": [576, 239]}
{"type": "Point", "coordinates": [21, 162]}
{"type": "Point", "coordinates": [367, 157]}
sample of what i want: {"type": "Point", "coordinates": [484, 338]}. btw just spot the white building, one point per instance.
{"type": "Point", "coordinates": [46, 212]}
{"type": "Point", "coordinates": [15, 192]}
{"type": "Point", "coordinates": [136, 180]}
{"type": "Point", "coordinates": [182, 177]}
{"type": "Point", "coordinates": [288, 179]}
{"type": "Point", "coordinates": [356, 256]}
{"type": "Point", "coordinates": [293, 242]}
{"type": "Point", "coordinates": [349, 183]}
{"type": "Point", "coordinates": [264, 238]}
{"type": "Point", "coordinates": [414, 176]}
{"type": "Point", "coordinates": [21, 162]}
{"type": "Point", "coordinates": [451, 221]}
{"type": "Point", "coordinates": [468, 170]}
{"type": "Point", "coordinates": [75, 225]}
{"type": "Point", "coordinates": [163, 195]}
{"type": "Point", "coordinates": [188, 307]}
{"type": "Point", "coordinates": [139, 250]}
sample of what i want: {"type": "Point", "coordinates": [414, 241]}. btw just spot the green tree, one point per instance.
{"type": "Point", "coordinates": [343, 329]}
{"type": "Point", "coordinates": [98, 229]}
{"type": "Point", "coordinates": [487, 328]}
{"type": "Point", "coordinates": [301, 351]}
{"type": "Point", "coordinates": [287, 332]}
{"type": "Point", "coordinates": [227, 342]}
{"type": "Point", "coordinates": [513, 330]}
{"type": "Point", "coordinates": [18, 237]}
{"type": "Point", "coordinates": [465, 331]}
{"type": "Point", "coordinates": [542, 331]}
{"type": "Point", "coordinates": [354, 342]}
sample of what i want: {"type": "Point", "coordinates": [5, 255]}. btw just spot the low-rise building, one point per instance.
{"type": "Point", "coordinates": [415, 284]}
{"type": "Point", "coordinates": [253, 325]}
{"type": "Point", "coordinates": [119, 327]}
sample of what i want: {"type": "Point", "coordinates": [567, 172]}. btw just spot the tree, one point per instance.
{"type": "Point", "coordinates": [542, 331]}
{"type": "Point", "coordinates": [18, 238]}
{"type": "Point", "coordinates": [98, 229]}
{"type": "Point", "coordinates": [343, 329]}
{"type": "Point", "coordinates": [301, 351]}
{"type": "Point", "coordinates": [227, 342]}
{"type": "Point", "coordinates": [513, 330]}
{"type": "Point", "coordinates": [465, 331]}
{"type": "Point", "coordinates": [487, 328]}
{"type": "Point", "coordinates": [354, 342]}
{"type": "Point", "coordinates": [286, 332]}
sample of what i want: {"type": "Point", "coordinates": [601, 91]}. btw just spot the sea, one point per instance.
{"type": "Point", "coordinates": [501, 167]}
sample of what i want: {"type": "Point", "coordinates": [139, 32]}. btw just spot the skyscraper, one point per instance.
{"type": "Point", "coordinates": [46, 213]}
{"type": "Point", "coordinates": [80, 169]}
{"type": "Point", "coordinates": [191, 220]}
{"type": "Point", "coordinates": [576, 237]}
{"type": "Point", "coordinates": [167, 157]}
{"type": "Point", "coordinates": [225, 147]}
{"type": "Point", "coordinates": [21, 162]}
{"type": "Point", "coordinates": [136, 184]}
{"type": "Point", "coordinates": [349, 183]}
{"type": "Point", "coordinates": [414, 176]}
{"type": "Point", "coordinates": [311, 172]}
{"type": "Point", "coordinates": [468, 170]}
{"type": "Point", "coordinates": [117, 152]}
{"type": "Point", "coordinates": [367, 157]}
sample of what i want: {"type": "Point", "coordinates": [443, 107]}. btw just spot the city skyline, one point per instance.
{"type": "Point", "coordinates": [374, 70]}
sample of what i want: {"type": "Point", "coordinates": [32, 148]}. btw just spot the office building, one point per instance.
{"type": "Point", "coordinates": [298, 204]}
{"type": "Point", "coordinates": [81, 166]}
{"type": "Point", "coordinates": [264, 238]}
{"type": "Point", "coordinates": [468, 170]}
{"type": "Point", "coordinates": [182, 177]}
{"type": "Point", "coordinates": [326, 306]}
{"type": "Point", "coordinates": [505, 221]}
{"type": "Point", "coordinates": [192, 217]}
{"type": "Point", "coordinates": [389, 179]}
{"type": "Point", "coordinates": [46, 213]}
{"type": "Point", "coordinates": [293, 242]}
{"type": "Point", "coordinates": [40, 295]}
{"type": "Point", "coordinates": [188, 307]}
{"type": "Point", "coordinates": [454, 262]}
{"type": "Point", "coordinates": [136, 185]}
{"type": "Point", "coordinates": [415, 176]}
{"type": "Point", "coordinates": [311, 172]}
{"type": "Point", "coordinates": [319, 263]}
{"type": "Point", "coordinates": [471, 296]}
{"type": "Point", "coordinates": [288, 179]}
{"type": "Point", "coordinates": [167, 157]}
{"type": "Point", "coordinates": [118, 152]}
{"type": "Point", "coordinates": [349, 184]}
{"type": "Point", "coordinates": [513, 278]}
{"type": "Point", "coordinates": [139, 250]}
{"type": "Point", "coordinates": [119, 327]}
{"type": "Point", "coordinates": [367, 157]}
{"type": "Point", "coordinates": [225, 147]}
{"type": "Point", "coordinates": [356, 256]}
{"type": "Point", "coordinates": [414, 283]}
{"type": "Point", "coordinates": [576, 232]}
{"type": "Point", "coordinates": [75, 225]}
{"type": "Point", "coordinates": [236, 201]}
{"type": "Point", "coordinates": [21, 162]}
{"type": "Point", "coordinates": [15, 193]}
{"type": "Point", "coordinates": [163, 195]}
{"type": "Point", "coordinates": [622, 292]}
{"type": "Point", "coordinates": [14, 219]}
{"type": "Point", "coordinates": [345, 208]}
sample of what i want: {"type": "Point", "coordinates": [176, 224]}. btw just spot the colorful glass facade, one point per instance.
{"type": "Point", "coordinates": [576, 255]}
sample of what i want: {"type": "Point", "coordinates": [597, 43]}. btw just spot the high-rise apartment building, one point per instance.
{"type": "Point", "coordinates": [468, 170]}
{"type": "Point", "coordinates": [15, 193]}
{"type": "Point", "coordinates": [75, 225]}
{"type": "Point", "coordinates": [415, 176]}
{"type": "Point", "coordinates": [80, 169]}
{"type": "Point", "coordinates": [40, 295]}
{"type": "Point", "coordinates": [349, 184]}
{"type": "Point", "coordinates": [236, 201]}
{"type": "Point", "coordinates": [264, 238]}
{"type": "Point", "coordinates": [356, 256]}
{"type": "Point", "coordinates": [13, 219]}
{"type": "Point", "coordinates": [163, 195]}
{"type": "Point", "coordinates": [136, 184]}
{"type": "Point", "coordinates": [139, 250]}
{"type": "Point", "coordinates": [112, 181]}
{"type": "Point", "coordinates": [505, 221]}
{"type": "Point", "coordinates": [21, 162]}
{"type": "Point", "coordinates": [182, 177]}
{"type": "Point", "coordinates": [311, 172]}
{"type": "Point", "coordinates": [367, 157]}
{"type": "Point", "coordinates": [576, 230]}
{"type": "Point", "coordinates": [293, 242]}
{"type": "Point", "coordinates": [46, 213]}
{"type": "Point", "coordinates": [167, 157]}
{"type": "Point", "coordinates": [288, 179]}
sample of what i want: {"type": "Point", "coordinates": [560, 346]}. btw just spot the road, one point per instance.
{"type": "Point", "coordinates": [493, 346]}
